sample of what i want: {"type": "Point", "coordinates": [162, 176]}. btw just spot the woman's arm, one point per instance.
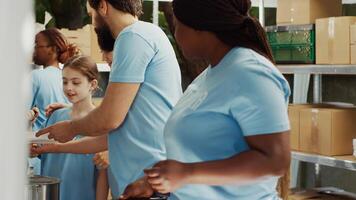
{"type": "Point", "coordinates": [269, 156]}
{"type": "Point", "coordinates": [86, 145]}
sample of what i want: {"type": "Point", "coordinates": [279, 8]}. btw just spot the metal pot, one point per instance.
{"type": "Point", "coordinates": [156, 196]}
{"type": "Point", "coordinates": [42, 188]}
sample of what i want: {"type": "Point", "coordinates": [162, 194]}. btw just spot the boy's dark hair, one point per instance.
{"type": "Point", "coordinates": [134, 7]}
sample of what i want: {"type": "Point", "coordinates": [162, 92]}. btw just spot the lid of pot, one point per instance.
{"type": "Point", "coordinates": [42, 180]}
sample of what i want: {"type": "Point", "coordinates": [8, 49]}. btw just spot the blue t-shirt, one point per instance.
{"type": "Point", "coordinates": [244, 95]}
{"type": "Point", "coordinates": [46, 89]}
{"type": "Point", "coordinates": [143, 54]}
{"type": "Point", "coordinates": [77, 172]}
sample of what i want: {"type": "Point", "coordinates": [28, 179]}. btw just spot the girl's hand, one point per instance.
{"type": "Point", "coordinates": [101, 160]}
{"type": "Point", "coordinates": [33, 114]}
{"type": "Point", "coordinates": [167, 176]}
{"type": "Point", "coordinates": [46, 148]}
{"type": "Point", "coordinates": [53, 107]}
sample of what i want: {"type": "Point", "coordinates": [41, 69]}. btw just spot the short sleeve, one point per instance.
{"type": "Point", "coordinates": [132, 55]}
{"type": "Point", "coordinates": [260, 106]}
{"type": "Point", "coordinates": [57, 116]}
{"type": "Point", "coordinates": [35, 85]}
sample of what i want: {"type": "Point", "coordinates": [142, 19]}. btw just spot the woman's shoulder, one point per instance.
{"type": "Point", "coordinates": [242, 62]}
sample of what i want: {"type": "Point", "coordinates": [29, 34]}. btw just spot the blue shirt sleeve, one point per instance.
{"type": "Point", "coordinates": [260, 105]}
{"type": "Point", "coordinates": [35, 84]}
{"type": "Point", "coordinates": [57, 116]}
{"type": "Point", "coordinates": [132, 55]}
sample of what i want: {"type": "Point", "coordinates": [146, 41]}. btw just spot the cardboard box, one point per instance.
{"type": "Point", "coordinates": [294, 118]}
{"type": "Point", "coordinates": [333, 40]}
{"type": "Point", "coordinates": [353, 43]}
{"type": "Point", "coordinates": [86, 41]}
{"type": "Point", "coordinates": [353, 54]}
{"type": "Point", "coordinates": [327, 131]}
{"type": "Point", "coordinates": [306, 11]}
{"type": "Point", "coordinates": [353, 34]}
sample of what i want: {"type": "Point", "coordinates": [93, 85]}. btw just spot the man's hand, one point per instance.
{"type": "Point", "coordinates": [61, 131]}
{"type": "Point", "coordinates": [138, 189]}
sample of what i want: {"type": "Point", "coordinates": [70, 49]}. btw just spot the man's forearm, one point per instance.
{"type": "Point", "coordinates": [94, 124]}
{"type": "Point", "coordinates": [87, 145]}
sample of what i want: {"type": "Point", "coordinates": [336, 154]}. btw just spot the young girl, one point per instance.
{"type": "Point", "coordinates": [101, 159]}
{"type": "Point", "coordinates": [79, 177]}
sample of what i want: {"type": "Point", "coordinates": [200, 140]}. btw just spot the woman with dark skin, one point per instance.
{"type": "Point", "coordinates": [51, 49]}
{"type": "Point", "coordinates": [228, 136]}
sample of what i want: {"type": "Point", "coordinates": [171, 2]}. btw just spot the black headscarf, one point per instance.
{"type": "Point", "coordinates": [228, 19]}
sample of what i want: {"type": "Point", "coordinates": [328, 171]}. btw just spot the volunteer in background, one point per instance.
{"type": "Point", "coordinates": [144, 86]}
{"type": "Point", "coordinates": [228, 136]}
{"type": "Point", "coordinates": [51, 49]}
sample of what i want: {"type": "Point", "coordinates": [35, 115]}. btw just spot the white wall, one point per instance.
{"type": "Point", "coordinates": [16, 42]}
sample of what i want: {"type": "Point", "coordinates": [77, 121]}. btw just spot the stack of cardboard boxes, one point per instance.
{"type": "Point", "coordinates": [293, 16]}
{"type": "Point", "coordinates": [86, 40]}
{"type": "Point", "coordinates": [335, 35]}
{"type": "Point", "coordinates": [306, 11]}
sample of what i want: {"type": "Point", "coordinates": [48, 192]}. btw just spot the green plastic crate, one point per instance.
{"type": "Point", "coordinates": [291, 35]}
{"type": "Point", "coordinates": [294, 54]}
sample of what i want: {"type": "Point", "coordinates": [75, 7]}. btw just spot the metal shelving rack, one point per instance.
{"type": "Point", "coordinates": [343, 162]}
{"type": "Point", "coordinates": [318, 69]}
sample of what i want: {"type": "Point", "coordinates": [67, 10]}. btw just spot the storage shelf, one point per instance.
{"type": "Point", "coordinates": [291, 69]}
{"type": "Point", "coordinates": [343, 162]}
{"type": "Point", "coordinates": [318, 69]}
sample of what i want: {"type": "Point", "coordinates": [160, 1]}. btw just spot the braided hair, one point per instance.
{"type": "Point", "coordinates": [64, 49]}
{"type": "Point", "coordinates": [229, 20]}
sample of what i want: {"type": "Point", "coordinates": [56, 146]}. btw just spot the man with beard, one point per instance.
{"type": "Point", "coordinates": [144, 86]}
{"type": "Point", "coordinates": [106, 43]}
{"type": "Point", "coordinates": [51, 48]}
